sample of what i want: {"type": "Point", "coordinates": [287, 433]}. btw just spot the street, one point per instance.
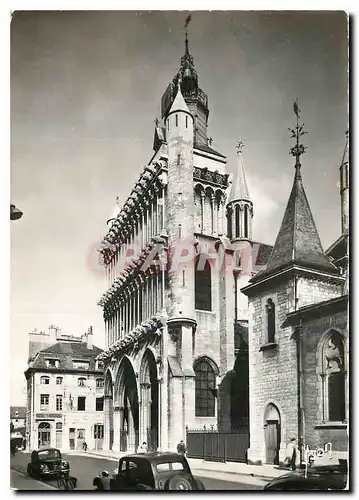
{"type": "Point", "coordinates": [86, 468]}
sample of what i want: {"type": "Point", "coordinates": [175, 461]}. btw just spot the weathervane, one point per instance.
{"type": "Point", "coordinates": [298, 149]}
{"type": "Point", "coordinates": [239, 147]}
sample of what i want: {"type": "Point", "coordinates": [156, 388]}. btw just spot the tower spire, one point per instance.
{"type": "Point", "coordinates": [297, 242]}
{"type": "Point", "coordinates": [188, 20]}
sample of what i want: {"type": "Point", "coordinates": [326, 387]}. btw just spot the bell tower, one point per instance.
{"type": "Point", "coordinates": [195, 98]}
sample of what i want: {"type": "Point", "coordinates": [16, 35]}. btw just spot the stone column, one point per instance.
{"type": "Point", "coordinates": [106, 440]}
{"type": "Point", "coordinates": [202, 211]}
{"type": "Point", "coordinates": [116, 430]}
{"type": "Point", "coordinates": [145, 413]}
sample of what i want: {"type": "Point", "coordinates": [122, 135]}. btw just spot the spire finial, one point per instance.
{"type": "Point", "coordinates": [239, 147]}
{"type": "Point", "coordinates": [298, 149]}
{"type": "Point", "coordinates": [188, 20]}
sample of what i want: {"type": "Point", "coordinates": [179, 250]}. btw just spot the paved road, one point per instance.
{"type": "Point", "coordinates": [85, 469]}
{"type": "Point", "coordinates": [20, 481]}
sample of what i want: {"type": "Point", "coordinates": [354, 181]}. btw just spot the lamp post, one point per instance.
{"type": "Point", "coordinates": [15, 213]}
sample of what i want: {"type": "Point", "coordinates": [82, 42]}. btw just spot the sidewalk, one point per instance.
{"type": "Point", "coordinates": [232, 469]}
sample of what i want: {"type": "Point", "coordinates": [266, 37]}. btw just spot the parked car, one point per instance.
{"type": "Point", "coordinates": [149, 471]}
{"type": "Point", "coordinates": [325, 477]}
{"type": "Point", "coordinates": [47, 462]}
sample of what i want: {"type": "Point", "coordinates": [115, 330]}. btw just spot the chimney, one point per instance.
{"type": "Point", "coordinates": [90, 338]}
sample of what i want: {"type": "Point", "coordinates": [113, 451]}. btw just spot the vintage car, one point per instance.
{"type": "Point", "coordinates": [317, 478]}
{"type": "Point", "coordinates": [149, 471]}
{"type": "Point", "coordinates": [47, 462]}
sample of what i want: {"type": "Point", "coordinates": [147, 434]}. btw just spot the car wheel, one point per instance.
{"type": "Point", "coordinates": [179, 482]}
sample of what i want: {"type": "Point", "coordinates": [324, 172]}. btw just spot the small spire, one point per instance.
{"type": "Point", "coordinates": [239, 189]}
{"type": "Point", "coordinates": [295, 133]}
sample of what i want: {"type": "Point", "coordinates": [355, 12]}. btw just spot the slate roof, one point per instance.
{"type": "Point", "coordinates": [208, 149]}
{"type": "Point", "coordinates": [20, 409]}
{"type": "Point", "coordinates": [66, 353]}
{"type": "Point", "coordinates": [298, 241]}
{"type": "Point", "coordinates": [263, 253]}
{"type": "Point", "coordinates": [239, 189]}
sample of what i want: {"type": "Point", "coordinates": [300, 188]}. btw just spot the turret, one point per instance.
{"type": "Point", "coordinates": [239, 206]}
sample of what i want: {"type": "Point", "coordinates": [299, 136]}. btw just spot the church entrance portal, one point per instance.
{"type": "Point", "coordinates": [272, 434]}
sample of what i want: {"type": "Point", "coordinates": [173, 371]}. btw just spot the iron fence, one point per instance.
{"type": "Point", "coordinates": [217, 446]}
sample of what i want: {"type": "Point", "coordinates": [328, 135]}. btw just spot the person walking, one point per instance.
{"type": "Point", "coordinates": [84, 446]}
{"type": "Point", "coordinates": [181, 448]}
{"type": "Point", "coordinates": [292, 454]}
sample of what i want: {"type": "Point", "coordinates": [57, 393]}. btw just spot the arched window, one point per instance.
{"type": "Point", "coordinates": [237, 233]}
{"type": "Point", "coordinates": [334, 378]}
{"type": "Point", "coordinates": [203, 285]}
{"type": "Point", "coordinates": [270, 310]}
{"type": "Point", "coordinates": [99, 382]}
{"type": "Point", "coordinates": [81, 381]}
{"type": "Point", "coordinates": [205, 384]}
{"type": "Point", "coordinates": [45, 380]}
{"type": "Point", "coordinates": [229, 224]}
{"type": "Point", "coordinates": [246, 221]}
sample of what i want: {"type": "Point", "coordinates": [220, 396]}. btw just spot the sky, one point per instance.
{"type": "Point", "coordinates": [86, 88]}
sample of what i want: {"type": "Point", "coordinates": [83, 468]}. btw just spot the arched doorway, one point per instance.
{"type": "Point", "coordinates": [128, 397]}
{"type": "Point", "coordinates": [272, 434]}
{"type": "Point", "coordinates": [108, 407]}
{"type": "Point", "coordinates": [44, 434]}
{"type": "Point", "coordinates": [149, 398]}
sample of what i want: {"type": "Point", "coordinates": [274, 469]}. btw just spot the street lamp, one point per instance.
{"type": "Point", "coordinates": [15, 213]}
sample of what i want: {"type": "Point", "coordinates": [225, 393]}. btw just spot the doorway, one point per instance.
{"type": "Point", "coordinates": [44, 434]}
{"type": "Point", "coordinates": [272, 436]}
{"type": "Point", "coordinates": [72, 438]}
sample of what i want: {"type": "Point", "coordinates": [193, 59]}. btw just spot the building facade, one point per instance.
{"type": "Point", "coordinates": [65, 388]}
{"type": "Point", "coordinates": [299, 337]}
{"type": "Point", "coordinates": [17, 418]}
{"type": "Point", "coordinates": [176, 254]}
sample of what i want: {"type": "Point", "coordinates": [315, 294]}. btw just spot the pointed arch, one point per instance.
{"type": "Point", "coordinates": [206, 371]}
{"type": "Point", "coordinates": [331, 357]}
{"type": "Point", "coordinates": [203, 284]}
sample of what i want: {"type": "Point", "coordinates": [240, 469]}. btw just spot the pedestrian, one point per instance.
{"type": "Point", "coordinates": [142, 448]}
{"type": "Point", "coordinates": [181, 448]}
{"type": "Point", "coordinates": [84, 446]}
{"type": "Point", "coordinates": [292, 454]}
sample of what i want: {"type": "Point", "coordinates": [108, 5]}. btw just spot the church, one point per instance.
{"type": "Point", "coordinates": [207, 328]}
{"type": "Point", "coordinates": [177, 254]}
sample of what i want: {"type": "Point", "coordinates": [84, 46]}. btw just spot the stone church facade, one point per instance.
{"type": "Point", "coordinates": [177, 254]}
{"type": "Point", "coordinates": [299, 337]}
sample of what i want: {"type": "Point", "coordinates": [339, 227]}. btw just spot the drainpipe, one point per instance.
{"type": "Point", "coordinates": [299, 375]}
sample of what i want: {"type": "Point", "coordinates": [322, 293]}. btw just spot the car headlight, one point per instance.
{"type": "Point", "coordinates": [65, 464]}
{"type": "Point", "coordinates": [44, 468]}
{"type": "Point", "coordinates": [115, 472]}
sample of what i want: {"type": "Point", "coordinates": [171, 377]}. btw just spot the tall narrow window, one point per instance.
{"type": "Point", "coordinates": [334, 378]}
{"type": "Point", "coordinates": [205, 389]}
{"type": "Point", "coordinates": [237, 234]}
{"type": "Point", "coordinates": [203, 285]}
{"type": "Point", "coordinates": [246, 221]}
{"type": "Point", "coordinates": [270, 309]}
{"type": "Point", "coordinates": [59, 402]}
{"type": "Point", "coordinates": [186, 121]}
{"type": "Point", "coordinates": [229, 225]}
{"type": "Point", "coordinates": [81, 403]}
{"type": "Point", "coordinates": [176, 120]}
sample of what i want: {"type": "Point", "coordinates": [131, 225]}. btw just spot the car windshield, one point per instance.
{"type": "Point", "coordinates": [167, 466]}
{"type": "Point", "coordinates": [46, 454]}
